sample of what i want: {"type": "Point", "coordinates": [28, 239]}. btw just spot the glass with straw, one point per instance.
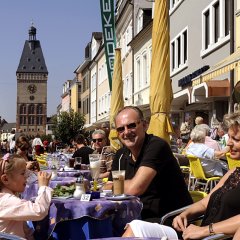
{"type": "Point", "coordinates": [94, 160]}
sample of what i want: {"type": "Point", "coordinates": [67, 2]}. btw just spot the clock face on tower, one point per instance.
{"type": "Point", "coordinates": [32, 88]}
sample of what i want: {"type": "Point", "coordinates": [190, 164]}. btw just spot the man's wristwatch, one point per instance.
{"type": "Point", "coordinates": [210, 227]}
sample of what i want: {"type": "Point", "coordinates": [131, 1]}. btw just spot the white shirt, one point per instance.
{"type": "Point", "coordinates": [14, 212]}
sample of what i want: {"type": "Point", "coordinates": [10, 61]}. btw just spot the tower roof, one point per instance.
{"type": "Point", "coordinates": [32, 59]}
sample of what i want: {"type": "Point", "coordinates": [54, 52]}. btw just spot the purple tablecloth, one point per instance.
{"type": "Point", "coordinates": [121, 212]}
{"type": "Point", "coordinates": [86, 174]}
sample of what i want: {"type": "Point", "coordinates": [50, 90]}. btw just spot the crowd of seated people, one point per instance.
{"type": "Point", "coordinates": [151, 173]}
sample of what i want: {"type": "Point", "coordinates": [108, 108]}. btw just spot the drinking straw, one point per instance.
{"type": "Point", "coordinates": [119, 162]}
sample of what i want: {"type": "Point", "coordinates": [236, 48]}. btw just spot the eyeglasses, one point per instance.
{"type": "Point", "coordinates": [97, 139]}
{"type": "Point", "coordinates": [128, 126]}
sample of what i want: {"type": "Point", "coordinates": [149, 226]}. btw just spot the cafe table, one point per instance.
{"type": "Point", "coordinates": [77, 216]}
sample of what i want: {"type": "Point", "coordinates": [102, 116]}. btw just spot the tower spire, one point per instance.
{"type": "Point", "coordinates": [32, 32]}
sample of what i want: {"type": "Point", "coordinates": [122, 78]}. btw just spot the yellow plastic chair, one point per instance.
{"type": "Point", "coordinates": [198, 172]}
{"type": "Point", "coordinates": [185, 168]}
{"type": "Point", "coordinates": [197, 195]}
{"type": "Point", "coordinates": [232, 163]}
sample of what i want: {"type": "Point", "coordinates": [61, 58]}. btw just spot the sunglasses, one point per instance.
{"type": "Point", "coordinates": [128, 126]}
{"type": "Point", "coordinates": [97, 139]}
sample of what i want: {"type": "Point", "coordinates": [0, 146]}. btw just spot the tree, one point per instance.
{"type": "Point", "coordinates": [67, 125]}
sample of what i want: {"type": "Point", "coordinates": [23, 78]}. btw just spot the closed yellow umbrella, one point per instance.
{"type": "Point", "coordinates": [117, 102]}
{"type": "Point", "coordinates": [160, 83]}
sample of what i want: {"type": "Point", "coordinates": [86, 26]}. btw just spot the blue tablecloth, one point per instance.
{"type": "Point", "coordinates": [120, 212]}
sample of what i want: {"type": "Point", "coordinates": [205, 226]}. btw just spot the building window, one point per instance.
{"type": "Point", "coordinates": [139, 20]}
{"type": "Point", "coordinates": [31, 120]}
{"type": "Point", "coordinates": [179, 52]}
{"type": "Point", "coordinates": [145, 69]}
{"type": "Point", "coordinates": [23, 109]}
{"type": "Point", "coordinates": [128, 88]}
{"type": "Point", "coordinates": [23, 120]}
{"type": "Point", "coordinates": [215, 25]}
{"type": "Point", "coordinates": [93, 82]}
{"type": "Point", "coordinates": [173, 5]}
{"type": "Point", "coordinates": [31, 109]}
{"type": "Point", "coordinates": [39, 109]}
{"type": "Point", "coordinates": [139, 81]}
{"type": "Point", "coordinates": [39, 120]}
{"type": "Point", "coordinates": [84, 84]}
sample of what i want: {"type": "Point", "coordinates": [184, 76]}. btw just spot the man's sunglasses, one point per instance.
{"type": "Point", "coordinates": [128, 126]}
{"type": "Point", "coordinates": [97, 139]}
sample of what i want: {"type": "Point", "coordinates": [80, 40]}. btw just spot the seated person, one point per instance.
{"type": "Point", "coordinates": [82, 150]}
{"type": "Point", "coordinates": [99, 141]}
{"type": "Point", "coordinates": [208, 156]}
{"type": "Point", "coordinates": [15, 211]}
{"type": "Point", "coordinates": [23, 148]}
{"type": "Point", "coordinates": [208, 140]}
{"type": "Point", "coordinates": [223, 135]}
{"type": "Point", "coordinates": [149, 163]}
{"type": "Point", "coordinates": [221, 207]}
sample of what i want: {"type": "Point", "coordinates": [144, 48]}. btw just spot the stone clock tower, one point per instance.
{"type": "Point", "coordinates": [32, 76]}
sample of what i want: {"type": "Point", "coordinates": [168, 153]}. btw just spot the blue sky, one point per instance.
{"type": "Point", "coordinates": [64, 27]}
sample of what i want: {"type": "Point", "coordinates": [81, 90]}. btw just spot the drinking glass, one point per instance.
{"type": "Point", "coordinates": [78, 162]}
{"type": "Point", "coordinates": [94, 160]}
{"type": "Point", "coordinates": [118, 182]}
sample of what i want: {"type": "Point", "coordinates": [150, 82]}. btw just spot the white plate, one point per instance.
{"type": "Point", "coordinates": [62, 198]}
{"type": "Point", "coordinates": [69, 170]}
{"type": "Point", "coordinates": [121, 197]}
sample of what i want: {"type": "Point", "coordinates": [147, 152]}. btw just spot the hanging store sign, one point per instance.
{"type": "Point", "coordinates": [108, 28]}
{"type": "Point", "coordinates": [188, 79]}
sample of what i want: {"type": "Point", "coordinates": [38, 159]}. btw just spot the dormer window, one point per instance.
{"type": "Point", "coordinates": [139, 20]}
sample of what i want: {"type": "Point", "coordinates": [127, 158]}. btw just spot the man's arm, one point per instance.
{"type": "Point", "coordinates": [140, 182]}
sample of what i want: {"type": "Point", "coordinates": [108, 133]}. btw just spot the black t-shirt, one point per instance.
{"type": "Point", "coordinates": [83, 152]}
{"type": "Point", "coordinates": [168, 190]}
{"type": "Point", "coordinates": [224, 202]}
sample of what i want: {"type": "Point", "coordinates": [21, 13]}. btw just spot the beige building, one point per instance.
{"type": "Point", "coordinates": [83, 77]}
{"type": "Point", "coordinates": [191, 55]}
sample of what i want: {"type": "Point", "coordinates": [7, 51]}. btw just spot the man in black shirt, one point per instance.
{"type": "Point", "coordinates": [82, 150]}
{"type": "Point", "coordinates": [152, 172]}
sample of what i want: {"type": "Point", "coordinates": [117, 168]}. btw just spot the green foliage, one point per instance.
{"type": "Point", "coordinates": [46, 137]}
{"type": "Point", "coordinates": [67, 125]}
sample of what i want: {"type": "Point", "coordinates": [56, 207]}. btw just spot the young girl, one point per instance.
{"type": "Point", "coordinates": [13, 210]}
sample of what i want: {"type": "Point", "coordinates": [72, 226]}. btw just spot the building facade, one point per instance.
{"type": "Point", "coordinates": [32, 76]}
{"type": "Point", "coordinates": [195, 47]}
{"type": "Point", "coordinates": [204, 35]}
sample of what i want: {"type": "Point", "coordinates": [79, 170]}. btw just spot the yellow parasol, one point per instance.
{"type": "Point", "coordinates": [160, 83]}
{"type": "Point", "coordinates": [117, 102]}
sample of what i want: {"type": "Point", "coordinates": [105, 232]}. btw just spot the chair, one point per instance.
{"type": "Point", "coordinates": [198, 172]}
{"type": "Point", "coordinates": [171, 215]}
{"type": "Point", "coordinates": [197, 195]}
{"type": "Point", "coordinates": [232, 163]}
{"type": "Point", "coordinates": [185, 168]}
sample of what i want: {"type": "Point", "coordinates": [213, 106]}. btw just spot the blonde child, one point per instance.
{"type": "Point", "coordinates": [14, 212]}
